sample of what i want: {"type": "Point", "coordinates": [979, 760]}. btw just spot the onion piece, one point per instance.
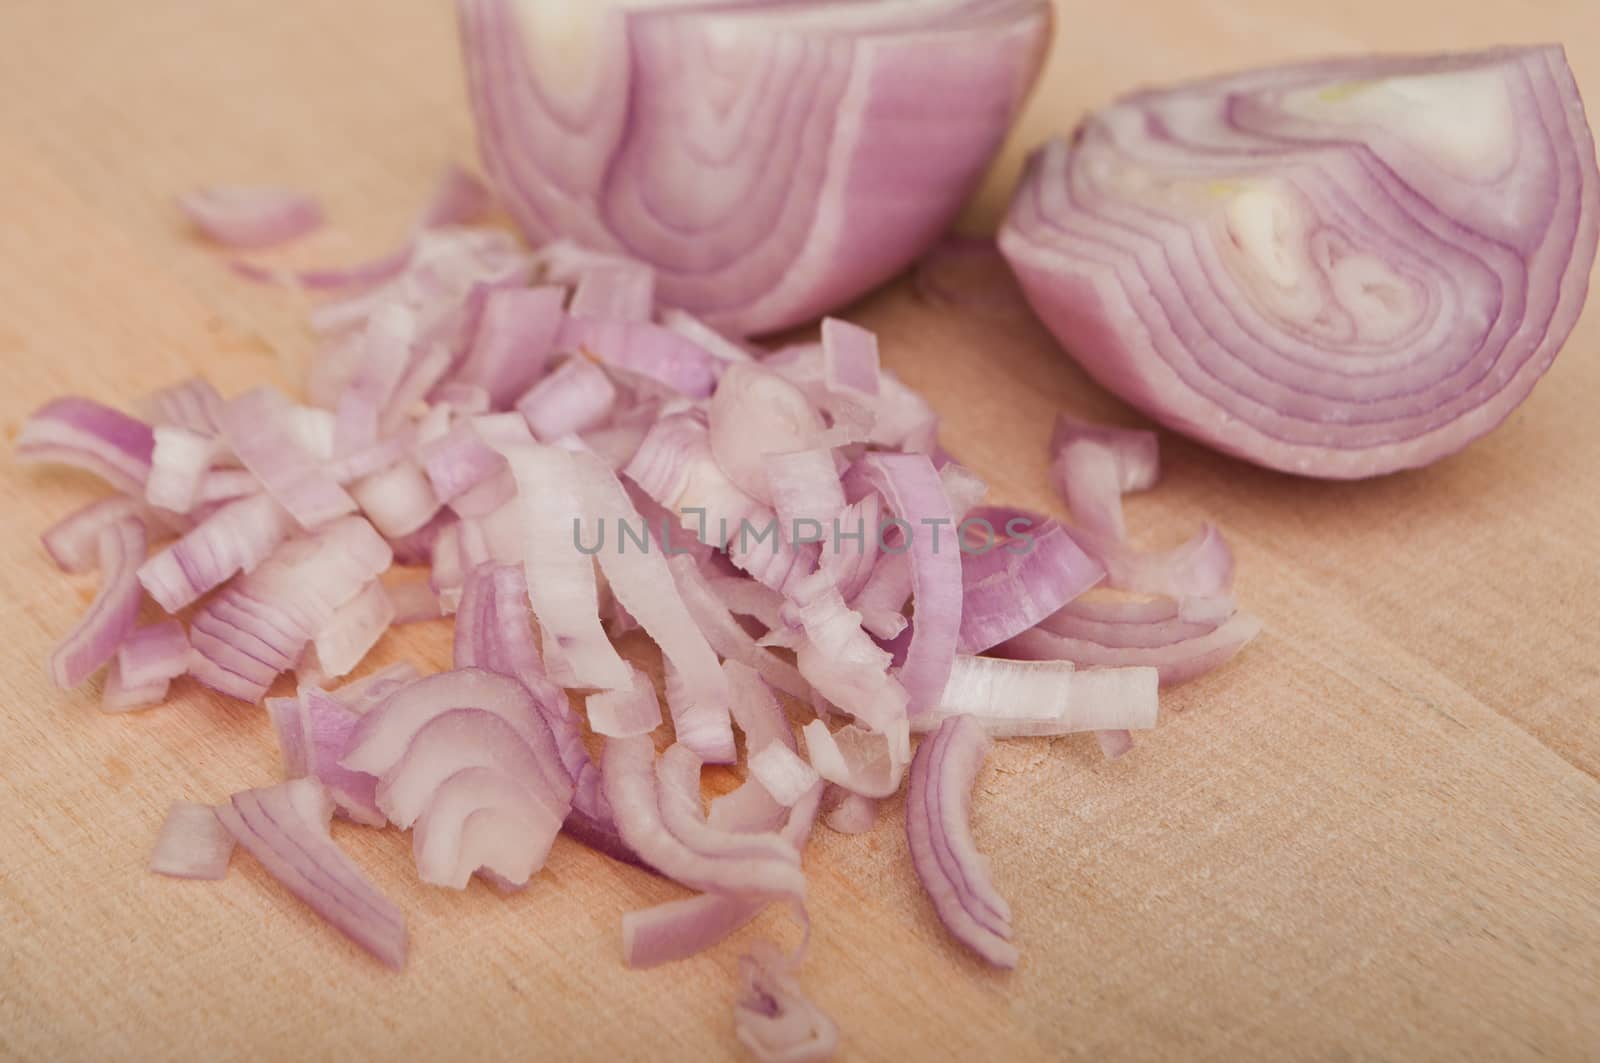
{"type": "Point", "coordinates": [482, 821]}
{"type": "Point", "coordinates": [86, 435]}
{"type": "Point", "coordinates": [285, 827]}
{"type": "Point", "coordinates": [1011, 698]}
{"type": "Point", "coordinates": [756, 710]}
{"type": "Point", "coordinates": [193, 404]}
{"type": "Point", "coordinates": [398, 500]}
{"type": "Point", "coordinates": [1009, 589]}
{"type": "Point", "coordinates": [755, 413]}
{"type": "Point", "coordinates": [193, 843]}
{"type": "Point", "coordinates": [643, 584]}
{"type": "Point", "coordinates": [1199, 568]}
{"type": "Point", "coordinates": [458, 198]}
{"type": "Point", "coordinates": [625, 713]}
{"type": "Point", "coordinates": [257, 628]}
{"type": "Point", "coordinates": [675, 467]}
{"type": "Point", "coordinates": [73, 542]}
{"type": "Point", "coordinates": [1114, 744]}
{"type": "Point", "coordinates": [592, 128]}
{"type": "Point", "coordinates": [251, 217]}
{"type": "Point", "coordinates": [256, 426]}
{"type": "Point", "coordinates": [676, 930]}
{"type": "Point", "coordinates": [782, 773]}
{"type": "Point", "coordinates": [1136, 452]}
{"type": "Point", "coordinates": [515, 338]}
{"type": "Point", "coordinates": [913, 491]}
{"type": "Point", "coordinates": [845, 666]}
{"type": "Point", "coordinates": [355, 628]}
{"type": "Point", "coordinates": [615, 291]}
{"type": "Point", "coordinates": [153, 654]}
{"type": "Point", "coordinates": [178, 467]}
{"type": "Point", "coordinates": [699, 724]}
{"type": "Point", "coordinates": [649, 350]}
{"type": "Point", "coordinates": [551, 502]}
{"type": "Point", "coordinates": [939, 831]}
{"type": "Point", "coordinates": [1337, 268]}
{"type": "Point", "coordinates": [327, 723]}
{"type": "Point", "coordinates": [458, 461]}
{"type": "Point", "coordinates": [388, 346]}
{"type": "Point", "coordinates": [849, 360]}
{"type": "Point", "coordinates": [1177, 649]}
{"type": "Point", "coordinates": [118, 695]}
{"type": "Point", "coordinates": [639, 804]}
{"type": "Point", "coordinates": [773, 1019]}
{"type": "Point", "coordinates": [574, 399]}
{"type": "Point", "coordinates": [110, 618]}
{"type": "Point", "coordinates": [480, 705]}
{"type": "Point", "coordinates": [854, 814]}
{"type": "Point", "coordinates": [704, 336]}
{"type": "Point", "coordinates": [870, 763]}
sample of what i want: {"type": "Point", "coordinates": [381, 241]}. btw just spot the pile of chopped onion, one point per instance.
{"type": "Point", "coordinates": [534, 446]}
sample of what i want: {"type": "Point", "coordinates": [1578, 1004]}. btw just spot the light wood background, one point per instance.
{"type": "Point", "coordinates": [1375, 836]}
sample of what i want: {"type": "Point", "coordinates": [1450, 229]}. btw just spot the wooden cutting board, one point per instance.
{"type": "Point", "coordinates": [1375, 836]}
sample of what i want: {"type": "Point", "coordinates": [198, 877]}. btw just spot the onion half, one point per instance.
{"type": "Point", "coordinates": [1337, 269]}
{"type": "Point", "coordinates": [771, 161]}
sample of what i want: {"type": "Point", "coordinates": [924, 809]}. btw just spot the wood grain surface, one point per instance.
{"type": "Point", "coordinates": [1375, 836]}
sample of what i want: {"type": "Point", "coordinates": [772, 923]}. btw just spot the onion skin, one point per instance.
{"type": "Point", "coordinates": [1325, 268]}
{"type": "Point", "coordinates": [772, 161]}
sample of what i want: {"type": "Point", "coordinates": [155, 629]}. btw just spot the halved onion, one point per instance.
{"type": "Point", "coordinates": [772, 161]}
{"type": "Point", "coordinates": [1338, 268]}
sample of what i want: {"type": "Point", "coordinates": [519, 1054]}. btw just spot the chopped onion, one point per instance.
{"type": "Point", "coordinates": [1116, 635]}
{"type": "Point", "coordinates": [676, 930]}
{"type": "Point", "coordinates": [1008, 589]}
{"type": "Point", "coordinates": [1337, 268]}
{"type": "Point", "coordinates": [782, 773]}
{"type": "Point", "coordinates": [193, 405]}
{"type": "Point", "coordinates": [515, 338]}
{"type": "Point", "coordinates": [756, 413]}
{"type": "Point", "coordinates": [870, 763]}
{"type": "Point", "coordinates": [551, 500]}
{"type": "Point", "coordinates": [625, 713]}
{"type": "Point", "coordinates": [86, 435]}
{"type": "Point", "coordinates": [753, 866]}
{"type": "Point", "coordinates": [773, 1019]}
{"type": "Point", "coordinates": [256, 426]}
{"type": "Point", "coordinates": [193, 843]}
{"type": "Point", "coordinates": [178, 467]}
{"type": "Point", "coordinates": [154, 654]}
{"type": "Point", "coordinates": [251, 217]}
{"type": "Point", "coordinates": [939, 830]}
{"type": "Point", "coordinates": [592, 127]}
{"type": "Point", "coordinates": [236, 538]}
{"type": "Point", "coordinates": [326, 723]}
{"type": "Point", "coordinates": [111, 616]}
{"type": "Point", "coordinates": [1013, 698]}
{"type": "Point", "coordinates": [854, 814]}
{"type": "Point", "coordinates": [576, 398]}
{"type": "Point", "coordinates": [470, 706]}
{"type": "Point", "coordinates": [286, 828]}
{"type": "Point", "coordinates": [73, 542]}
{"type": "Point", "coordinates": [356, 627]}
{"type": "Point", "coordinates": [258, 627]}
